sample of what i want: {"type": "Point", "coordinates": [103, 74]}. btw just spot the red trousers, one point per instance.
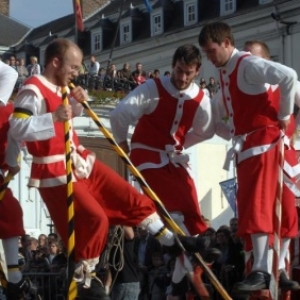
{"type": "Point", "coordinates": [256, 197]}
{"type": "Point", "coordinates": [176, 189]}
{"type": "Point", "coordinates": [11, 216]}
{"type": "Point", "coordinates": [102, 200]}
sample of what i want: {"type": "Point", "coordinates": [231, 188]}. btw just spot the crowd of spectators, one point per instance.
{"type": "Point", "coordinates": [149, 266]}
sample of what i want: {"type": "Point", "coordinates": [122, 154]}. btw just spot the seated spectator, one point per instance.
{"type": "Point", "coordinates": [125, 73]}
{"type": "Point", "coordinates": [34, 68]}
{"type": "Point", "coordinates": [212, 87]}
{"type": "Point", "coordinates": [139, 75]}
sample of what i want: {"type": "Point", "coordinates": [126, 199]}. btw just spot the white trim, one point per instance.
{"type": "Point", "coordinates": [157, 27]}
{"type": "Point", "coordinates": [193, 5]}
{"type": "Point", "coordinates": [227, 7]}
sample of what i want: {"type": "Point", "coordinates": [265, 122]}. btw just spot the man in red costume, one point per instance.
{"type": "Point", "coordinates": [101, 197]}
{"type": "Point", "coordinates": [11, 215]}
{"type": "Point", "coordinates": [256, 127]}
{"type": "Point", "coordinates": [171, 114]}
{"type": "Point", "coordinates": [289, 224]}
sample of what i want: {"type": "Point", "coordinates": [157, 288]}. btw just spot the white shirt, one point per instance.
{"type": "Point", "coordinates": [8, 79]}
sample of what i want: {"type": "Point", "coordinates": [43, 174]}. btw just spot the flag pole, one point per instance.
{"type": "Point", "coordinates": [115, 36]}
{"type": "Point", "coordinates": [75, 21]}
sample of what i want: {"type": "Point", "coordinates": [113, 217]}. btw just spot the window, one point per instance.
{"type": "Point", "coordinates": [157, 24]}
{"type": "Point", "coordinates": [190, 13]}
{"type": "Point", "coordinates": [125, 33]}
{"type": "Point", "coordinates": [228, 7]}
{"type": "Point", "coordinates": [97, 42]}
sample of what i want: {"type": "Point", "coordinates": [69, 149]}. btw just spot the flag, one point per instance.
{"type": "Point", "coordinates": [148, 6]}
{"type": "Point", "coordinates": [78, 15]}
{"type": "Point", "coordinates": [229, 190]}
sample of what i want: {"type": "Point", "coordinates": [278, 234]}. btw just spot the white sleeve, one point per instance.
{"type": "Point", "coordinates": [38, 126]}
{"type": "Point", "coordinates": [261, 71]}
{"type": "Point", "coordinates": [142, 100]}
{"type": "Point", "coordinates": [77, 107]}
{"type": "Point", "coordinates": [8, 78]}
{"type": "Point", "coordinates": [203, 127]}
{"type": "Point", "coordinates": [12, 151]}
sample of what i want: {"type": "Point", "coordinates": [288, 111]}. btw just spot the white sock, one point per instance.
{"type": "Point", "coordinates": [260, 242]}
{"type": "Point", "coordinates": [179, 271]}
{"type": "Point", "coordinates": [11, 250]}
{"type": "Point", "coordinates": [156, 227]}
{"type": "Point", "coordinates": [285, 243]}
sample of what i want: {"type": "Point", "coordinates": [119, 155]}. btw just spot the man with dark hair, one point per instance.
{"type": "Point", "coordinates": [171, 114]}
{"type": "Point", "coordinates": [256, 128]}
{"type": "Point", "coordinates": [101, 197]}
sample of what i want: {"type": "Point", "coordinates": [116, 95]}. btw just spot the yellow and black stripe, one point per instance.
{"type": "Point", "coordinates": [148, 191]}
{"type": "Point", "coordinates": [72, 288]}
{"type": "Point", "coordinates": [22, 113]}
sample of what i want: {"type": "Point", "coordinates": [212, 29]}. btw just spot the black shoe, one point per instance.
{"type": "Point", "coordinates": [16, 291]}
{"type": "Point", "coordinates": [180, 288]}
{"type": "Point", "coordinates": [255, 281]}
{"type": "Point", "coordinates": [96, 291]}
{"type": "Point", "coordinates": [285, 283]}
{"type": "Point", "coordinates": [194, 244]}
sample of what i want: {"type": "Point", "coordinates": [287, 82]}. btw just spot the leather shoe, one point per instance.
{"type": "Point", "coordinates": [285, 283]}
{"type": "Point", "coordinates": [255, 281]}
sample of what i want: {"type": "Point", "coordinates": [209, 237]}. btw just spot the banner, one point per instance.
{"type": "Point", "coordinates": [148, 6]}
{"type": "Point", "coordinates": [229, 188]}
{"type": "Point", "coordinates": [78, 15]}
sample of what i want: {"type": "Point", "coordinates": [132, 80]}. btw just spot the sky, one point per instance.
{"type": "Point", "coordinates": [34, 13]}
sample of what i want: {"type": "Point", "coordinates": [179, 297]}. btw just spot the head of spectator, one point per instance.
{"type": "Point", "coordinates": [212, 80]}
{"type": "Point", "coordinates": [102, 73]}
{"type": "Point", "coordinates": [33, 60]}
{"type": "Point", "coordinates": [33, 244]}
{"type": "Point", "coordinates": [42, 240]}
{"type": "Point", "coordinates": [156, 73]}
{"type": "Point", "coordinates": [202, 80]}
{"type": "Point", "coordinates": [12, 61]}
{"type": "Point", "coordinates": [167, 73]}
{"type": "Point", "coordinates": [157, 259]}
{"type": "Point", "coordinates": [222, 237]}
{"type": "Point", "coordinates": [202, 85]}
{"type": "Point", "coordinates": [54, 247]}
{"type": "Point", "coordinates": [139, 68]}
{"type": "Point", "coordinates": [92, 59]}
{"type": "Point", "coordinates": [210, 236]}
{"type": "Point", "coordinates": [233, 223]}
{"type": "Point", "coordinates": [52, 236]}
{"type": "Point", "coordinates": [142, 233]}
{"type": "Point", "coordinates": [112, 71]}
{"type": "Point", "coordinates": [126, 67]}
{"type": "Point", "coordinates": [6, 61]}
{"type": "Point", "coordinates": [186, 63]}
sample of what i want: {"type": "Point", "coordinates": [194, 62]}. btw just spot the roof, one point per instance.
{"type": "Point", "coordinates": [14, 31]}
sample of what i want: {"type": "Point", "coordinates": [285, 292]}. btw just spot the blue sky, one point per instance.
{"type": "Point", "coordinates": [34, 13]}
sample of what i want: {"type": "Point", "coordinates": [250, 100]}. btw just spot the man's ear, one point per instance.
{"type": "Point", "coordinates": [56, 62]}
